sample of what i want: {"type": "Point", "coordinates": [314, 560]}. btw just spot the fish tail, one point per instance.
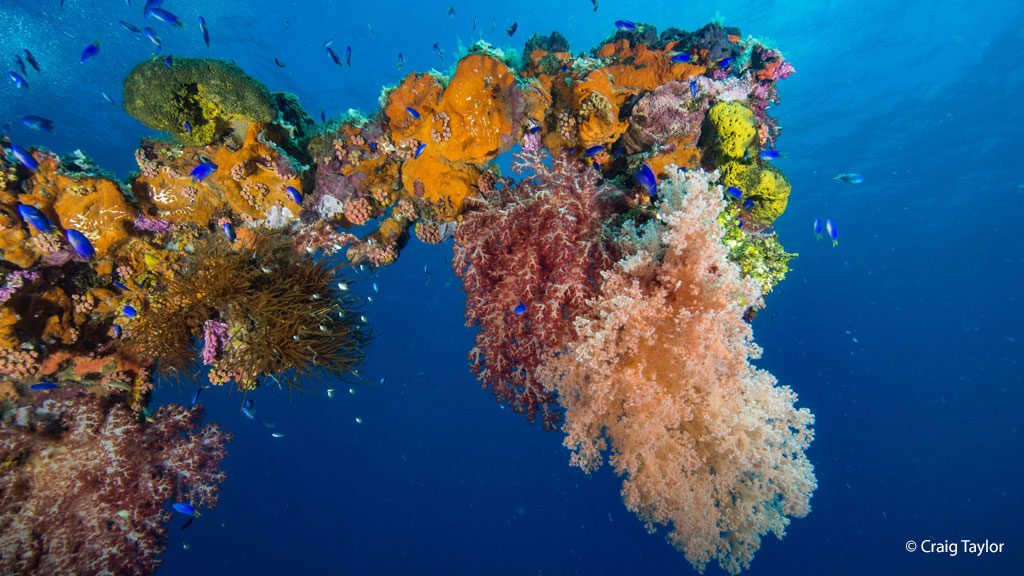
{"type": "Point", "coordinates": [835, 243]}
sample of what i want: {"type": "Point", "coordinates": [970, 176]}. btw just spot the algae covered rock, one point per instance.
{"type": "Point", "coordinates": [207, 94]}
{"type": "Point", "coordinates": [760, 182]}
{"type": "Point", "coordinates": [731, 129]}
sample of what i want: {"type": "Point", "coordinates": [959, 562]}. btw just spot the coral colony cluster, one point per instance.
{"type": "Point", "coordinates": [611, 279]}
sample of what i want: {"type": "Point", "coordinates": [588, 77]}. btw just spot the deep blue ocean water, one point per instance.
{"type": "Point", "coordinates": [904, 340]}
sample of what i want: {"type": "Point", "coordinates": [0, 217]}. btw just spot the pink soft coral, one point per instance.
{"type": "Point", "coordinates": [661, 374]}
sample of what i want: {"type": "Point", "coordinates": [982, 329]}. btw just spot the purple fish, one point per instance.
{"type": "Point", "coordinates": [80, 243]}
{"type": "Point", "coordinates": [295, 195]}
{"type": "Point", "coordinates": [648, 180]}
{"type": "Point", "coordinates": [90, 52]}
{"type": "Point", "coordinates": [200, 172]}
{"type": "Point", "coordinates": [33, 216]}
{"type": "Point", "coordinates": [25, 157]}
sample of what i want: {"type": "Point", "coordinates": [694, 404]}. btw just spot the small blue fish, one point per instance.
{"type": "Point", "coordinates": [247, 411]}
{"type": "Point", "coordinates": [680, 58]}
{"type": "Point", "coordinates": [195, 399]}
{"type": "Point", "coordinates": [200, 172]}
{"type": "Point", "coordinates": [280, 64]}
{"type": "Point", "coordinates": [520, 309]}
{"type": "Point", "coordinates": [373, 147]}
{"type": "Point", "coordinates": [451, 11]}
{"type": "Point", "coordinates": [850, 178]}
{"type": "Point", "coordinates": [348, 56]}
{"type": "Point", "coordinates": [295, 195]}
{"type": "Point", "coordinates": [412, 112]}
{"type": "Point", "coordinates": [150, 4]}
{"type": "Point", "coordinates": [594, 2]}
{"type": "Point", "coordinates": [625, 25]}
{"type": "Point", "coordinates": [90, 52]}
{"type": "Point", "coordinates": [323, 115]}
{"type": "Point", "coordinates": [534, 130]}
{"type": "Point", "coordinates": [333, 55]}
{"type": "Point", "coordinates": [376, 289]}
{"type": "Point", "coordinates": [401, 60]}
{"type": "Point", "coordinates": [163, 16]}
{"type": "Point", "coordinates": [748, 204]}
{"type": "Point", "coordinates": [769, 154]}
{"type": "Point", "coordinates": [734, 192]}
{"type": "Point", "coordinates": [205, 31]}
{"type": "Point", "coordinates": [475, 20]}
{"type": "Point", "coordinates": [130, 27]}
{"type": "Point", "coordinates": [725, 62]}
{"type": "Point", "coordinates": [648, 180]}
{"type": "Point", "coordinates": [169, 61]}
{"type": "Point", "coordinates": [43, 386]}
{"type": "Point", "coordinates": [18, 79]}
{"type": "Point", "coordinates": [188, 128]}
{"type": "Point", "coordinates": [565, 67]}
{"type": "Point", "coordinates": [117, 332]}
{"type": "Point", "coordinates": [25, 157]}
{"type": "Point", "coordinates": [34, 217]}
{"type": "Point", "coordinates": [833, 233]}
{"type": "Point", "coordinates": [20, 63]}
{"type": "Point", "coordinates": [512, 29]}
{"type": "Point", "coordinates": [80, 243]}
{"type": "Point", "coordinates": [739, 223]}
{"type": "Point", "coordinates": [30, 59]}
{"type": "Point", "coordinates": [152, 37]}
{"type": "Point", "coordinates": [693, 88]}
{"type": "Point", "coordinates": [120, 286]}
{"type": "Point", "coordinates": [437, 49]}
{"type": "Point", "coordinates": [229, 231]}
{"type": "Point", "coordinates": [817, 228]}
{"type": "Point", "coordinates": [185, 508]}
{"type": "Point", "coordinates": [128, 311]}
{"type": "Point", "coordinates": [419, 150]}
{"type": "Point", "coordinates": [593, 151]}
{"type": "Point", "coordinates": [108, 98]}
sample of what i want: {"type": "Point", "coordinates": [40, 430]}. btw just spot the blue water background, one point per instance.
{"type": "Point", "coordinates": [904, 340]}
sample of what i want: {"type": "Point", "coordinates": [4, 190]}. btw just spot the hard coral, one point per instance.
{"type": "Point", "coordinates": [205, 93]}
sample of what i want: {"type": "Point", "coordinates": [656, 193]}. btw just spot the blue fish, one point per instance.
{"type": "Point", "coordinates": [200, 172]}
{"type": "Point", "coordinates": [130, 27]}
{"type": "Point", "coordinates": [20, 63]}
{"type": "Point", "coordinates": [512, 29]}
{"type": "Point", "coordinates": [679, 58]}
{"type": "Point", "coordinates": [90, 52]}
{"type": "Point", "coordinates": [594, 2]}
{"type": "Point", "coordinates": [833, 233]}
{"type": "Point", "coordinates": [739, 223]}
{"type": "Point", "coordinates": [163, 16]}
{"type": "Point", "coordinates": [373, 147]}
{"type": "Point", "coordinates": [205, 31]}
{"type": "Point", "coordinates": [120, 286]}
{"type": "Point", "coordinates": [437, 49]}
{"type": "Point", "coordinates": [38, 123]}
{"type": "Point", "coordinates": [748, 204]}
{"type": "Point", "coordinates": [30, 59]}
{"type": "Point", "coordinates": [128, 311]}
{"type": "Point", "coordinates": [419, 150]}
{"type": "Point", "coordinates": [229, 231]}
{"type": "Point", "coordinates": [725, 62]}
{"type": "Point", "coordinates": [195, 399]}
{"type": "Point", "coordinates": [412, 112]}
{"type": "Point", "coordinates": [295, 195]}
{"type": "Point", "coordinates": [150, 4]}
{"type": "Point", "coordinates": [169, 60]}
{"type": "Point", "coordinates": [693, 88]}
{"type": "Point", "coordinates": [348, 56]}
{"type": "Point", "coordinates": [34, 217]}
{"type": "Point", "coordinates": [534, 130]}
{"type": "Point", "coordinates": [152, 37]}
{"type": "Point", "coordinates": [593, 151]}
{"type": "Point", "coordinates": [475, 20]}
{"type": "Point", "coordinates": [451, 11]}
{"type": "Point", "coordinates": [565, 67]}
{"type": "Point", "coordinates": [817, 228]}
{"type": "Point", "coordinates": [850, 178]}
{"type": "Point", "coordinates": [734, 192]}
{"type": "Point", "coordinates": [769, 154]}
{"type": "Point", "coordinates": [323, 115]}
{"type": "Point", "coordinates": [520, 309]}
{"type": "Point", "coordinates": [108, 98]}
{"type": "Point", "coordinates": [401, 60]}
{"type": "Point", "coordinates": [247, 411]}
{"type": "Point", "coordinates": [185, 508]}
{"type": "Point", "coordinates": [333, 55]}
{"type": "Point", "coordinates": [625, 25]}
{"type": "Point", "coordinates": [25, 157]}
{"type": "Point", "coordinates": [80, 243]}
{"type": "Point", "coordinates": [18, 79]}
{"type": "Point", "coordinates": [117, 332]}
{"type": "Point", "coordinates": [188, 128]}
{"type": "Point", "coordinates": [43, 386]}
{"type": "Point", "coordinates": [280, 64]}
{"type": "Point", "coordinates": [648, 180]}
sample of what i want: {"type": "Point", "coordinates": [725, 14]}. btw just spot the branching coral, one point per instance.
{"type": "Point", "coordinates": [661, 375]}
